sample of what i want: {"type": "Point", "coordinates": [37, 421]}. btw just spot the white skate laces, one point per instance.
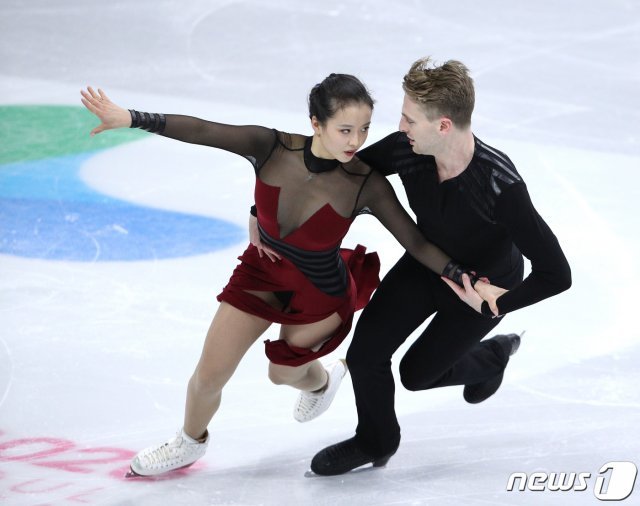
{"type": "Point", "coordinates": [311, 405]}
{"type": "Point", "coordinates": [180, 451]}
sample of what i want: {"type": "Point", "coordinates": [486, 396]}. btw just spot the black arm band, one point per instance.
{"type": "Point", "coordinates": [454, 272]}
{"type": "Point", "coordinates": [149, 121]}
{"type": "Point", "coordinates": [254, 211]}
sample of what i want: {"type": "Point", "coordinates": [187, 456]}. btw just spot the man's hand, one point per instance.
{"type": "Point", "coordinates": [254, 238]}
{"type": "Point", "coordinates": [474, 295]}
{"type": "Point", "coordinates": [490, 293]}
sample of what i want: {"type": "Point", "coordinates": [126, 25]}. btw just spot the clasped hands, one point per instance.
{"type": "Point", "coordinates": [474, 295]}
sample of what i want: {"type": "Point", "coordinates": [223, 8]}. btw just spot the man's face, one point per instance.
{"type": "Point", "coordinates": [423, 134]}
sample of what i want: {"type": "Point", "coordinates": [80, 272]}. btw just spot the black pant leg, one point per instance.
{"type": "Point", "coordinates": [448, 352]}
{"type": "Point", "coordinates": [401, 303]}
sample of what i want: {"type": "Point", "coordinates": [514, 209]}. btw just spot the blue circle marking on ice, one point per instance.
{"type": "Point", "coordinates": [48, 212]}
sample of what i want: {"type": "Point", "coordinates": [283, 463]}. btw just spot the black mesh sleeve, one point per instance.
{"type": "Point", "coordinates": [378, 195]}
{"type": "Point", "coordinates": [252, 142]}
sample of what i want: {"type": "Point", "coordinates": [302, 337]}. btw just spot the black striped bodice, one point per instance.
{"type": "Point", "coordinates": [325, 269]}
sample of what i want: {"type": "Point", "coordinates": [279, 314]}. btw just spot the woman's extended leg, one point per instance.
{"type": "Point", "coordinates": [231, 334]}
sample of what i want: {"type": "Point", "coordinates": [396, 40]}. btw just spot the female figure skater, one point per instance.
{"type": "Point", "coordinates": [308, 191]}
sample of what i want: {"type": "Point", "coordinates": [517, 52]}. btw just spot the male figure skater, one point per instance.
{"type": "Point", "coordinates": [471, 202]}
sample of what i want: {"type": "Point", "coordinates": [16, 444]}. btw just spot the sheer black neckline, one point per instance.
{"type": "Point", "coordinates": [315, 164]}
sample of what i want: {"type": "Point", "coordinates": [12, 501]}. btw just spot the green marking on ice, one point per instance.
{"type": "Point", "coordinates": [34, 132]}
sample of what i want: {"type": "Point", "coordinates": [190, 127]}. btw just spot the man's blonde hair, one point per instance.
{"type": "Point", "coordinates": [445, 90]}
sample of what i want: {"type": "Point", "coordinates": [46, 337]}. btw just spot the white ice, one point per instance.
{"type": "Point", "coordinates": [96, 356]}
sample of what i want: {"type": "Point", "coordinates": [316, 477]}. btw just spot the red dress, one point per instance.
{"type": "Point", "coordinates": [323, 231]}
{"type": "Point", "coordinates": [314, 201]}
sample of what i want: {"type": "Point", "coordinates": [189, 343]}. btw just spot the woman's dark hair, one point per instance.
{"type": "Point", "coordinates": [335, 92]}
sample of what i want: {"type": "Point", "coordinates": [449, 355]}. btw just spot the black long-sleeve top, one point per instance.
{"type": "Point", "coordinates": [484, 218]}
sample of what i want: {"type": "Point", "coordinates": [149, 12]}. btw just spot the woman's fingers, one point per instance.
{"type": "Point", "coordinates": [273, 256]}
{"type": "Point", "coordinates": [103, 95]}
{"type": "Point", "coordinates": [88, 105]}
{"type": "Point", "coordinates": [93, 93]}
{"type": "Point", "coordinates": [90, 101]}
{"type": "Point", "coordinates": [454, 286]}
{"type": "Point", "coordinates": [96, 99]}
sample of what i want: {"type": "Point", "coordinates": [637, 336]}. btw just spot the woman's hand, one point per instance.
{"type": "Point", "coordinates": [490, 293]}
{"type": "Point", "coordinates": [254, 238]}
{"type": "Point", "coordinates": [111, 115]}
{"type": "Point", "coordinates": [466, 294]}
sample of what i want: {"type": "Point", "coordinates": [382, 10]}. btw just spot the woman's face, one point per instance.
{"type": "Point", "coordinates": [343, 134]}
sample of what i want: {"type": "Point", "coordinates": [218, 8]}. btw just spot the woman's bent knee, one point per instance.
{"type": "Point", "coordinates": [275, 377]}
{"type": "Point", "coordinates": [282, 374]}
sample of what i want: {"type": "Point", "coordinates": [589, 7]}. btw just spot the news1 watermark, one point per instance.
{"type": "Point", "coordinates": [613, 482]}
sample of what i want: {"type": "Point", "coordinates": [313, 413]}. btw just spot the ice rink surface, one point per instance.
{"type": "Point", "coordinates": [113, 248]}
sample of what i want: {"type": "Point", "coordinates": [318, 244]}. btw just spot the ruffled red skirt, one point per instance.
{"type": "Point", "coordinates": [308, 304]}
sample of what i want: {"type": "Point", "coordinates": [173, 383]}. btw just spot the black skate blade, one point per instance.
{"type": "Point", "coordinates": [364, 468]}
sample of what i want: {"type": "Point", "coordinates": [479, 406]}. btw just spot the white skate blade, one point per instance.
{"type": "Point", "coordinates": [132, 474]}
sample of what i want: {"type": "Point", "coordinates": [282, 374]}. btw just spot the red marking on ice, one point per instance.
{"type": "Point", "coordinates": [78, 496]}
{"type": "Point", "coordinates": [83, 465]}
{"type": "Point", "coordinates": [22, 487]}
{"type": "Point", "coordinates": [57, 446]}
